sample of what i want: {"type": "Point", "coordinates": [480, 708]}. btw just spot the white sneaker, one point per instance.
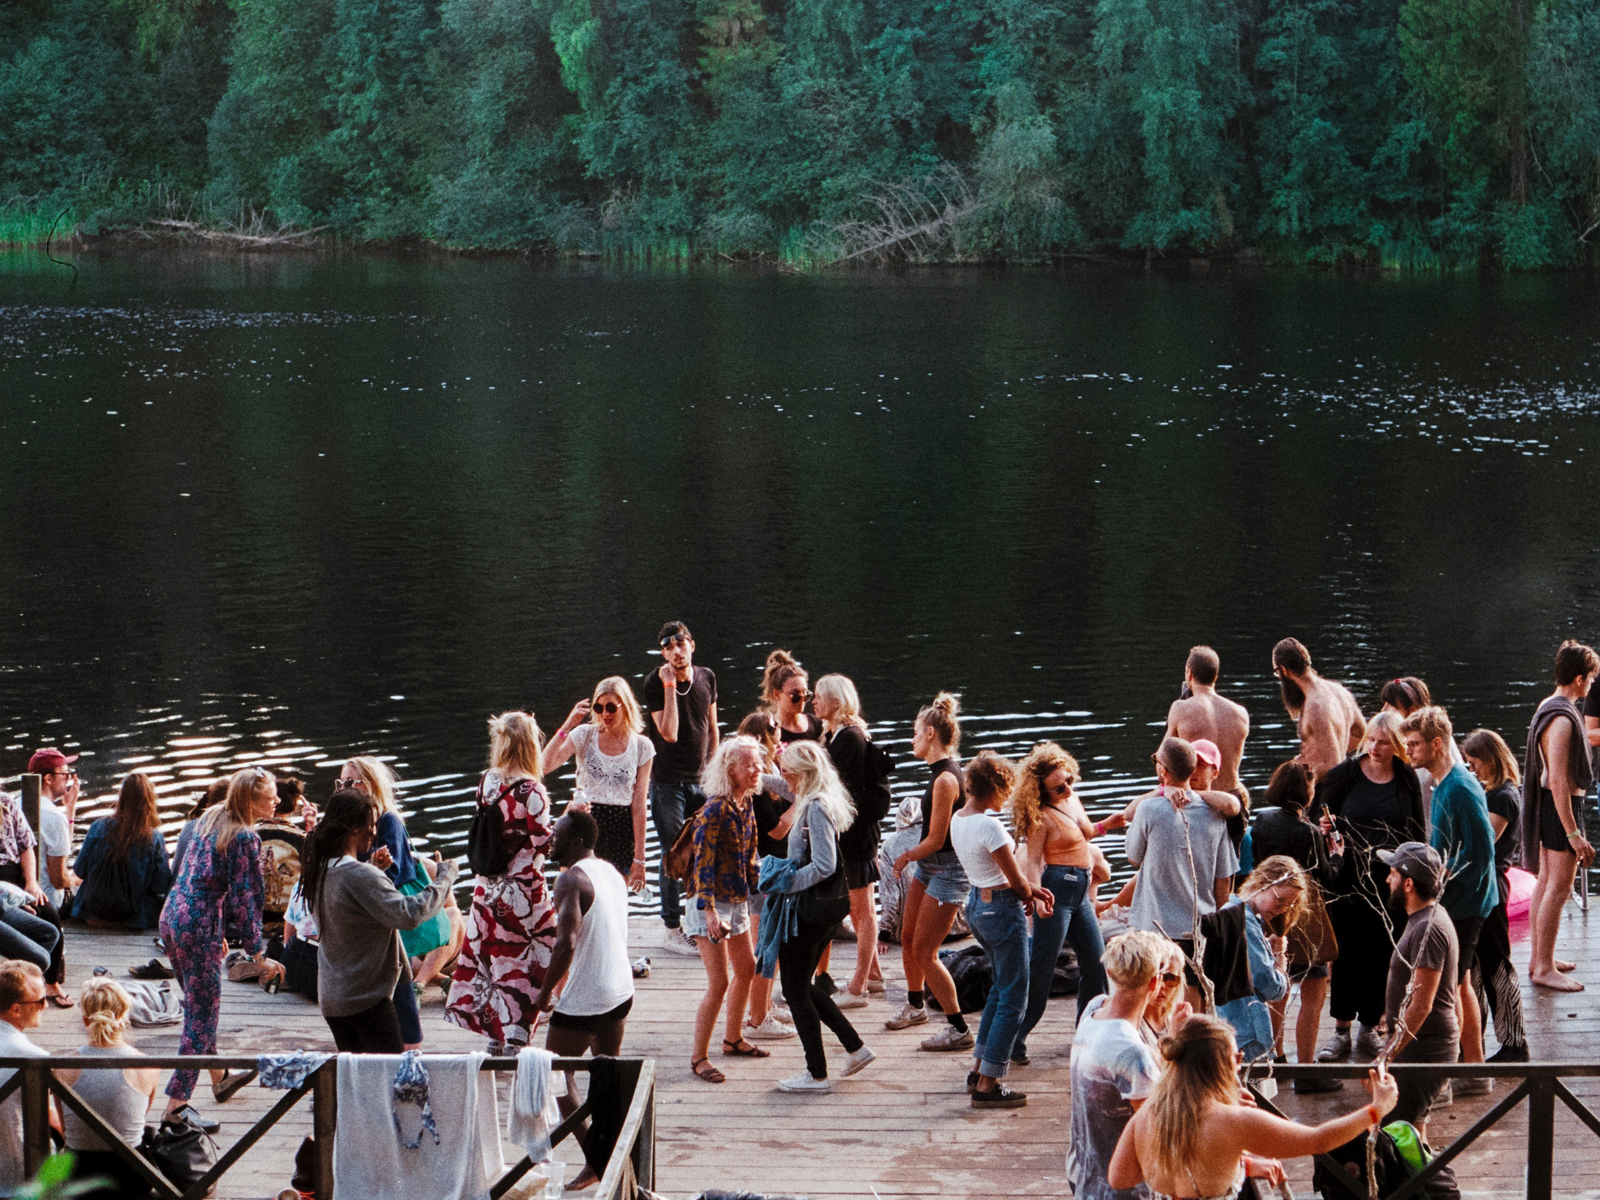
{"type": "Point", "coordinates": [875, 986]}
{"type": "Point", "coordinates": [856, 1062]}
{"type": "Point", "coordinates": [770, 1030]}
{"type": "Point", "coordinates": [949, 1038]}
{"type": "Point", "coordinates": [848, 999]}
{"type": "Point", "coordinates": [676, 941]}
{"type": "Point", "coordinates": [907, 1017]}
{"type": "Point", "coordinates": [803, 1082]}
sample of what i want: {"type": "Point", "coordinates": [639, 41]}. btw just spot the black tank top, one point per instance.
{"type": "Point", "coordinates": [942, 767]}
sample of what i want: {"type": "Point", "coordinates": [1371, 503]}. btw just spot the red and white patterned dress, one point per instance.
{"type": "Point", "coordinates": [511, 929]}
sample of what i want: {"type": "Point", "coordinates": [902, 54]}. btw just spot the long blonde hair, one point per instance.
{"type": "Point", "coordinates": [1200, 1067]}
{"type": "Point", "coordinates": [1389, 723]}
{"type": "Point", "coordinates": [714, 779]}
{"type": "Point", "coordinates": [816, 781]}
{"type": "Point", "coordinates": [616, 685]}
{"type": "Point", "coordinates": [1159, 1009]}
{"type": "Point", "coordinates": [379, 778]}
{"type": "Point", "coordinates": [233, 816]}
{"type": "Point", "coordinates": [841, 697]}
{"type": "Point", "coordinates": [515, 745]}
{"type": "Point", "coordinates": [1027, 797]}
{"type": "Point", "coordinates": [105, 1011]}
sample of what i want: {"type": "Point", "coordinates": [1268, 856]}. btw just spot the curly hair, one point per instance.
{"type": "Point", "coordinates": [1027, 796]}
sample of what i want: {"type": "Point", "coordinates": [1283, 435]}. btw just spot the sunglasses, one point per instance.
{"type": "Point", "coordinates": [610, 709]}
{"type": "Point", "coordinates": [1061, 789]}
{"type": "Point", "coordinates": [798, 695]}
{"type": "Point", "coordinates": [359, 785]}
{"type": "Point", "coordinates": [32, 1003]}
{"type": "Point", "coordinates": [668, 643]}
{"type": "Point", "coordinates": [68, 771]}
{"type": "Point", "coordinates": [1170, 978]}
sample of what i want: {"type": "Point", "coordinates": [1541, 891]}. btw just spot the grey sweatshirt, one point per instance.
{"type": "Point", "coordinates": [360, 960]}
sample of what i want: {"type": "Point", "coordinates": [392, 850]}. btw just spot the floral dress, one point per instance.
{"type": "Point", "coordinates": [511, 929]}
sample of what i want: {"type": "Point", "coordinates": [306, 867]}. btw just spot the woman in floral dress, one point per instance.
{"type": "Point", "coordinates": [511, 929]}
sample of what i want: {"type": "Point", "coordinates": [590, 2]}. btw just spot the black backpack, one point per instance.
{"type": "Point", "coordinates": [878, 765]}
{"type": "Point", "coordinates": [486, 843]}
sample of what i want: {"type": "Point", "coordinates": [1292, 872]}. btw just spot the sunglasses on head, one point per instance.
{"type": "Point", "coordinates": [610, 707]}
{"type": "Point", "coordinates": [669, 643]}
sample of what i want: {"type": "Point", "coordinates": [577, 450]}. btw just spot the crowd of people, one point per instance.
{"type": "Point", "coordinates": [1375, 878]}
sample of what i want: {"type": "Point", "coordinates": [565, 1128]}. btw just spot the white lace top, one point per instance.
{"type": "Point", "coordinates": [605, 778]}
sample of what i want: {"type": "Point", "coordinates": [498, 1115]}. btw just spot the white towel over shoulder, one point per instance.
{"type": "Point", "coordinates": [369, 1163]}
{"type": "Point", "coordinates": [533, 1114]}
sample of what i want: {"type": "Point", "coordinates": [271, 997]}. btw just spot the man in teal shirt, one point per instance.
{"type": "Point", "coordinates": [1461, 833]}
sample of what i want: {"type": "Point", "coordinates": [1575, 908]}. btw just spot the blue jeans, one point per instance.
{"type": "Point", "coordinates": [1072, 920]}
{"type": "Point", "coordinates": [671, 804]}
{"type": "Point", "coordinates": [1001, 926]}
{"type": "Point", "coordinates": [27, 937]}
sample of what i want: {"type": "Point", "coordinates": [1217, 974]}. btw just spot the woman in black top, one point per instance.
{"type": "Point", "coordinates": [774, 812]}
{"type": "Point", "coordinates": [845, 736]}
{"type": "Point", "coordinates": [1374, 802]}
{"type": "Point", "coordinates": [783, 689]}
{"type": "Point", "coordinates": [1493, 977]}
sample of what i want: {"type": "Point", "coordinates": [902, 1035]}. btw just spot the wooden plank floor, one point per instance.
{"type": "Point", "coordinates": [903, 1127]}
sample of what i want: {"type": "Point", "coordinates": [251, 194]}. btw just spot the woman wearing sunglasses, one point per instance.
{"type": "Point", "coordinates": [605, 735]}
{"type": "Point", "coordinates": [783, 688]}
{"type": "Point", "coordinates": [1055, 831]}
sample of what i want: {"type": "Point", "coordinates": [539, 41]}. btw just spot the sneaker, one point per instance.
{"type": "Point", "coordinates": [1446, 1095]}
{"type": "Point", "coordinates": [676, 941]}
{"type": "Point", "coordinates": [972, 1082]}
{"type": "Point", "coordinates": [949, 1038]}
{"type": "Point", "coordinates": [780, 1006]}
{"type": "Point", "coordinates": [1369, 1043]}
{"type": "Point", "coordinates": [1472, 1085]}
{"type": "Point", "coordinates": [1336, 1048]}
{"type": "Point", "coordinates": [907, 1017]}
{"type": "Point", "coordinates": [1001, 1097]}
{"type": "Point", "coordinates": [803, 1082]}
{"type": "Point", "coordinates": [770, 1030]}
{"type": "Point", "coordinates": [875, 986]}
{"type": "Point", "coordinates": [857, 1060]}
{"type": "Point", "coordinates": [1307, 1086]}
{"type": "Point", "coordinates": [1510, 1054]}
{"type": "Point", "coordinates": [848, 999]}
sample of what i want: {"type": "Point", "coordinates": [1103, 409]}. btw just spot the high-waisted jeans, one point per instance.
{"type": "Point", "coordinates": [1072, 920]}
{"type": "Point", "coordinates": [1001, 926]}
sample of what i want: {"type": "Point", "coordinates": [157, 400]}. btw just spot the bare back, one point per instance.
{"type": "Point", "coordinates": [1215, 718]}
{"type": "Point", "coordinates": [1331, 725]}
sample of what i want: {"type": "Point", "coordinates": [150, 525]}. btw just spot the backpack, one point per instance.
{"type": "Point", "coordinates": [486, 848]}
{"type": "Point", "coordinates": [877, 766]}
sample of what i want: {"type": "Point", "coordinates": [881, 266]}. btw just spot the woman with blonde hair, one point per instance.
{"type": "Point", "coordinates": [848, 742]}
{"type": "Point", "coordinates": [605, 734]}
{"type": "Point", "coordinates": [1054, 830]}
{"type": "Point", "coordinates": [1274, 892]}
{"type": "Point", "coordinates": [821, 811]}
{"type": "Point", "coordinates": [120, 1097]}
{"type": "Point", "coordinates": [1194, 1139]}
{"type": "Point", "coordinates": [1374, 802]}
{"type": "Point", "coordinates": [773, 805]}
{"type": "Point", "coordinates": [511, 929]}
{"type": "Point", "coordinates": [1489, 758]}
{"type": "Point", "coordinates": [783, 690]}
{"type": "Point", "coordinates": [219, 886]}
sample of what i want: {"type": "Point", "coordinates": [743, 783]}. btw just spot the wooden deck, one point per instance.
{"type": "Point", "coordinates": [903, 1127]}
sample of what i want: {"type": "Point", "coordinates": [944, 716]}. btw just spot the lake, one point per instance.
{"type": "Point", "coordinates": [285, 509]}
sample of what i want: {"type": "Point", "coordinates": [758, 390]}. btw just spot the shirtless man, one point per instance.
{"type": "Point", "coordinates": [1554, 841]}
{"type": "Point", "coordinates": [1204, 715]}
{"type": "Point", "coordinates": [1331, 724]}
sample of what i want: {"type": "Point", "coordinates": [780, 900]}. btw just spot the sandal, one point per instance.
{"type": "Point", "coordinates": [61, 1000]}
{"type": "Point", "coordinates": [744, 1049]}
{"type": "Point", "coordinates": [232, 1081]}
{"type": "Point", "coordinates": [710, 1074]}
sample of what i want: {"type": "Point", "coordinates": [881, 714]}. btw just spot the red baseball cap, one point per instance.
{"type": "Point", "coordinates": [44, 762]}
{"type": "Point", "coordinates": [1206, 749]}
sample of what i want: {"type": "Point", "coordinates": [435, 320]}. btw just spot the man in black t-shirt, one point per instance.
{"type": "Point", "coordinates": [681, 699]}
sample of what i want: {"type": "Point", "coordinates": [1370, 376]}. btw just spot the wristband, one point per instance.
{"type": "Point", "coordinates": [1574, 836]}
{"type": "Point", "coordinates": [560, 733]}
{"type": "Point", "coordinates": [1099, 828]}
{"type": "Point", "coordinates": [1377, 1117]}
{"type": "Point", "coordinates": [640, 861]}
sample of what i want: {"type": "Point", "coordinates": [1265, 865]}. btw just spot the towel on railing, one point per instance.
{"type": "Point", "coordinates": [533, 1113]}
{"type": "Point", "coordinates": [287, 1071]}
{"type": "Point", "coordinates": [608, 1111]}
{"type": "Point", "coordinates": [780, 920]}
{"type": "Point", "coordinates": [372, 1158]}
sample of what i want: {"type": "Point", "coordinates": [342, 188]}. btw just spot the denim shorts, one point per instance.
{"type": "Point", "coordinates": [941, 877]}
{"type": "Point", "coordinates": [736, 916]}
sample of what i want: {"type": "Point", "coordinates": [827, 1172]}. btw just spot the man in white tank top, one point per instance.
{"type": "Point", "coordinates": [590, 955]}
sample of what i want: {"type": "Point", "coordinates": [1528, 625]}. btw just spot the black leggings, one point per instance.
{"type": "Point", "coordinates": [56, 972]}
{"type": "Point", "coordinates": [810, 1006]}
{"type": "Point", "coordinates": [1361, 973]}
{"type": "Point", "coordinates": [375, 1031]}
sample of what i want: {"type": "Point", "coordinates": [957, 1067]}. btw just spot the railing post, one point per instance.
{"type": "Point", "coordinates": [30, 811]}
{"type": "Point", "coordinates": [644, 1160]}
{"type": "Point", "coordinates": [1541, 1136]}
{"type": "Point", "coordinates": [35, 1118]}
{"type": "Point", "coordinates": [324, 1119]}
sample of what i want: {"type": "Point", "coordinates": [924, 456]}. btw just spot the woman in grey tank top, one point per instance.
{"type": "Point", "coordinates": [120, 1097]}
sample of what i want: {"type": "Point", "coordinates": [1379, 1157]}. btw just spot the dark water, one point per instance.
{"type": "Point", "coordinates": [288, 509]}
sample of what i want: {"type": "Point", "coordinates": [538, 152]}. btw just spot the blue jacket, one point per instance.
{"type": "Point", "coordinates": [149, 875]}
{"type": "Point", "coordinates": [1249, 1015]}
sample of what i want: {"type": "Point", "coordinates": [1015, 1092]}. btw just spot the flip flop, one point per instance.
{"type": "Point", "coordinates": [710, 1074]}
{"type": "Point", "coordinates": [60, 1000]}
{"type": "Point", "coordinates": [744, 1049]}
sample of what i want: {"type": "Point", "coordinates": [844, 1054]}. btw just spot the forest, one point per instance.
{"type": "Point", "coordinates": [1409, 134]}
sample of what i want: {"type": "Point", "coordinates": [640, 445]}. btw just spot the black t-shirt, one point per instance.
{"type": "Point", "coordinates": [1591, 702]}
{"type": "Point", "coordinates": [811, 733]}
{"type": "Point", "coordinates": [769, 810]}
{"type": "Point", "coordinates": [1503, 802]}
{"type": "Point", "coordinates": [1373, 815]}
{"type": "Point", "coordinates": [683, 760]}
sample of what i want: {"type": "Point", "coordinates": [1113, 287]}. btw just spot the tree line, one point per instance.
{"type": "Point", "coordinates": [1439, 134]}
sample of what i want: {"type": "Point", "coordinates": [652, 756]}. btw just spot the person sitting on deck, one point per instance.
{"type": "Point", "coordinates": [121, 1097]}
{"type": "Point", "coordinates": [283, 841]}
{"type": "Point", "coordinates": [22, 1001]}
{"type": "Point", "coordinates": [19, 866]}
{"type": "Point", "coordinates": [123, 864]}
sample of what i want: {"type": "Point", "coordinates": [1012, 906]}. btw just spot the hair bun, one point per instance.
{"type": "Point", "coordinates": [781, 658]}
{"type": "Point", "coordinates": [947, 702]}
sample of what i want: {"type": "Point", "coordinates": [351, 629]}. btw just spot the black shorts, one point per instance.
{"type": "Point", "coordinates": [1551, 834]}
{"type": "Point", "coordinates": [1314, 971]}
{"type": "Point", "coordinates": [594, 1023]}
{"type": "Point", "coordinates": [1467, 931]}
{"type": "Point", "coordinates": [861, 872]}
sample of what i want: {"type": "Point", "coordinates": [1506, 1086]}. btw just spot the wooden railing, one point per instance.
{"type": "Point", "coordinates": [1537, 1083]}
{"type": "Point", "coordinates": [632, 1164]}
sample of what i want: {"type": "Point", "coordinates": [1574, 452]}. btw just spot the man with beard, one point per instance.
{"type": "Point", "coordinates": [1331, 725]}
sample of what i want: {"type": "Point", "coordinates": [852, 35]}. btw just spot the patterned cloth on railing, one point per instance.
{"type": "Point", "coordinates": [411, 1087]}
{"type": "Point", "coordinates": [285, 1072]}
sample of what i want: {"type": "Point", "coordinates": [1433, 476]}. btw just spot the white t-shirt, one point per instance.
{"type": "Point", "coordinates": [13, 1044]}
{"type": "Point", "coordinates": [976, 839]}
{"type": "Point", "coordinates": [55, 839]}
{"type": "Point", "coordinates": [1111, 1066]}
{"type": "Point", "coordinates": [605, 778]}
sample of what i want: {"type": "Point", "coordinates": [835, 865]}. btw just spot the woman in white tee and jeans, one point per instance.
{"type": "Point", "coordinates": [997, 912]}
{"type": "Point", "coordinates": [606, 737]}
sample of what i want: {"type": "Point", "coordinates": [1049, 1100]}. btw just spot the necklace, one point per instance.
{"type": "Point", "coordinates": [684, 691]}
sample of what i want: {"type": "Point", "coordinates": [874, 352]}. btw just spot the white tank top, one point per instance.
{"type": "Point", "coordinates": [600, 977]}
